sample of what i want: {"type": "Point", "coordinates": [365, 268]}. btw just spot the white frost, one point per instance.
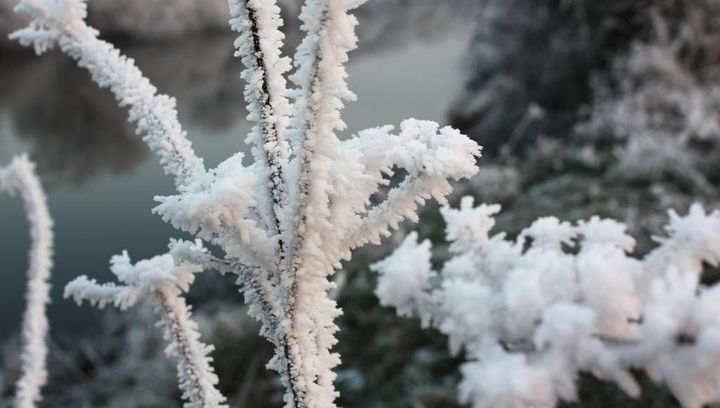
{"type": "Point", "coordinates": [19, 178]}
{"type": "Point", "coordinates": [530, 317]}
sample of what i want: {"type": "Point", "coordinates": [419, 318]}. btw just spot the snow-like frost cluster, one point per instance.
{"type": "Point", "coordinates": [560, 299]}
{"type": "Point", "coordinates": [286, 221]}
{"type": "Point", "coordinates": [19, 178]}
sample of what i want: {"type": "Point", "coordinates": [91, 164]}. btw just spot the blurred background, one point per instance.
{"type": "Point", "coordinates": [583, 107]}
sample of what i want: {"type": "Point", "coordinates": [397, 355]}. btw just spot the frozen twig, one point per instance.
{"type": "Point", "coordinates": [163, 278]}
{"type": "Point", "coordinates": [19, 178]}
{"type": "Point", "coordinates": [62, 23]}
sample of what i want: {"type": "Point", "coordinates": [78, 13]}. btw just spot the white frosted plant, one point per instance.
{"type": "Point", "coordinates": [164, 279]}
{"type": "Point", "coordinates": [534, 312]}
{"type": "Point", "coordinates": [286, 221]}
{"type": "Point", "coordinates": [19, 178]}
{"type": "Point", "coordinates": [659, 108]}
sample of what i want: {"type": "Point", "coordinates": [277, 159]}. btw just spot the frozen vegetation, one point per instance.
{"type": "Point", "coordinates": [533, 312]}
{"type": "Point", "coordinates": [662, 112]}
{"type": "Point", "coordinates": [286, 221]}
{"type": "Point", "coordinates": [18, 178]}
{"type": "Point", "coordinates": [647, 140]}
{"type": "Point", "coordinates": [530, 313]}
{"type": "Point", "coordinates": [164, 278]}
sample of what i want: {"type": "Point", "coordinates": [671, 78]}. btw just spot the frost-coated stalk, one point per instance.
{"type": "Point", "coordinates": [287, 221]}
{"type": "Point", "coordinates": [164, 279]}
{"type": "Point", "coordinates": [308, 310]}
{"type": "Point", "coordinates": [61, 23]}
{"type": "Point", "coordinates": [194, 371]}
{"type": "Point", "coordinates": [532, 316]}
{"type": "Point", "coordinates": [258, 46]}
{"type": "Point", "coordinates": [19, 178]}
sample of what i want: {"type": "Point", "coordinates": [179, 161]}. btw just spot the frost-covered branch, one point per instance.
{"type": "Point", "coordinates": [531, 315]}
{"type": "Point", "coordinates": [430, 157]}
{"type": "Point", "coordinates": [258, 45]}
{"type": "Point", "coordinates": [308, 313]}
{"type": "Point", "coordinates": [19, 178]}
{"type": "Point", "coordinates": [164, 278]}
{"type": "Point", "coordinates": [62, 23]}
{"type": "Point", "coordinates": [320, 77]}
